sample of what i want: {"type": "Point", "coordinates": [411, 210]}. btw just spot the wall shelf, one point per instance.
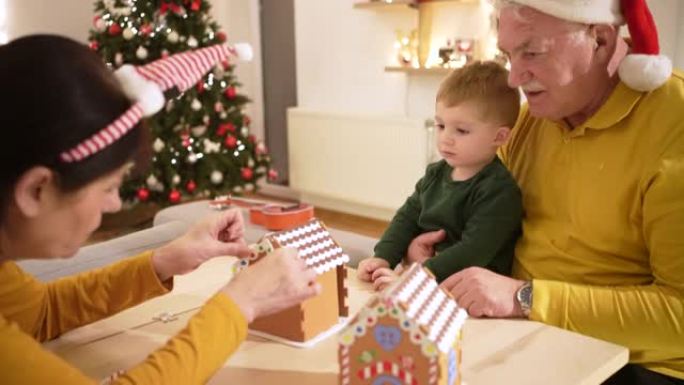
{"type": "Point", "coordinates": [441, 71]}
{"type": "Point", "coordinates": [381, 5]}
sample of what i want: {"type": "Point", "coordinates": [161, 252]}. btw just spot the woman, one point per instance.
{"type": "Point", "coordinates": [56, 93]}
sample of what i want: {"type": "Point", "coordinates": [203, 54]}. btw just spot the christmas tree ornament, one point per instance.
{"type": "Point", "coordinates": [231, 142]}
{"type": "Point", "coordinates": [238, 189]}
{"type": "Point", "coordinates": [143, 194]}
{"type": "Point", "coordinates": [218, 107]}
{"type": "Point", "coordinates": [182, 38]}
{"type": "Point", "coordinates": [244, 131]}
{"type": "Point", "coordinates": [192, 158]}
{"type": "Point", "coordinates": [169, 105]}
{"type": "Point", "coordinates": [206, 119]}
{"type": "Point", "coordinates": [174, 196]}
{"type": "Point", "coordinates": [211, 147]}
{"type": "Point", "coordinates": [128, 33]}
{"type": "Point", "coordinates": [196, 105]}
{"type": "Point", "coordinates": [246, 120]}
{"type": "Point", "coordinates": [223, 115]}
{"type": "Point", "coordinates": [221, 37]}
{"type": "Point", "coordinates": [231, 92]}
{"type": "Point", "coordinates": [94, 45]}
{"type": "Point", "coordinates": [146, 29]}
{"type": "Point", "coordinates": [216, 177]}
{"type": "Point", "coordinates": [176, 180]}
{"type": "Point", "coordinates": [99, 24]}
{"type": "Point", "coordinates": [158, 145]}
{"type": "Point", "coordinates": [261, 149]}
{"type": "Point", "coordinates": [252, 139]}
{"type": "Point", "coordinates": [164, 53]}
{"type": "Point", "coordinates": [250, 163]}
{"type": "Point", "coordinates": [200, 87]}
{"type": "Point", "coordinates": [172, 37]}
{"type": "Point", "coordinates": [219, 72]}
{"type": "Point", "coordinates": [192, 42]}
{"type": "Point", "coordinates": [272, 175]}
{"type": "Point", "coordinates": [246, 173]}
{"type": "Point", "coordinates": [198, 130]}
{"type": "Point", "coordinates": [114, 29]}
{"type": "Point", "coordinates": [195, 5]}
{"type": "Point", "coordinates": [191, 186]}
{"type": "Point", "coordinates": [118, 59]}
{"type": "Point", "coordinates": [141, 53]}
{"type": "Point", "coordinates": [249, 187]}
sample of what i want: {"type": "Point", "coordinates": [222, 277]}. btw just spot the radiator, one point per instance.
{"type": "Point", "coordinates": [362, 164]}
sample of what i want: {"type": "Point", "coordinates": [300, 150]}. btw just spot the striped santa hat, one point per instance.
{"type": "Point", "coordinates": [644, 68]}
{"type": "Point", "coordinates": [146, 85]}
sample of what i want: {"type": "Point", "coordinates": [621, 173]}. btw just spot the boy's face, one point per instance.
{"type": "Point", "coordinates": [463, 138]}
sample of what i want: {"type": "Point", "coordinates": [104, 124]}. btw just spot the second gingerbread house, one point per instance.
{"type": "Point", "coordinates": [317, 315]}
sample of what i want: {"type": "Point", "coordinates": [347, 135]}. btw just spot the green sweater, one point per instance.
{"type": "Point", "coordinates": [481, 216]}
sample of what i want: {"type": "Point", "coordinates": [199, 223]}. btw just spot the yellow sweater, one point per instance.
{"type": "Point", "coordinates": [31, 312]}
{"type": "Point", "coordinates": [603, 233]}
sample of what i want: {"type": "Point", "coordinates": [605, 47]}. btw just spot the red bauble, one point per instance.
{"type": "Point", "coordinates": [94, 45]}
{"type": "Point", "coordinates": [115, 29]}
{"type": "Point", "coordinates": [221, 36]}
{"type": "Point", "coordinates": [272, 174]}
{"type": "Point", "coordinates": [185, 139]}
{"type": "Point", "coordinates": [231, 142]}
{"type": "Point", "coordinates": [174, 196]}
{"type": "Point", "coordinates": [200, 86]}
{"type": "Point", "coordinates": [223, 128]}
{"type": "Point", "coordinates": [143, 194]}
{"type": "Point", "coordinates": [191, 186]}
{"type": "Point", "coordinates": [146, 29]}
{"type": "Point", "coordinates": [246, 173]}
{"type": "Point", "coordinates": [231, 92]}
{"type": "Point", "coordinates": [226, 65]}
{"type": "Point", "coordinates": [246, 120]}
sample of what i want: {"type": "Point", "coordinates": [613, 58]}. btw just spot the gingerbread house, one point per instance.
{"type": "Point", "coordinates": [317, 315]}
{"type": "Point", "coordinates": [408, 334]}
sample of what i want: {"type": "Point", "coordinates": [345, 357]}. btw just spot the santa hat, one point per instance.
{"type": "Point", "coordinates": [145, 86]}
{"type": "Point", "coordinates": [643, 69]}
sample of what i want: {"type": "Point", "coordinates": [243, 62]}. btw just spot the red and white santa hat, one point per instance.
{"type": "Point", "coordinates": [145, 86]}
{"type": "Point", "coordinates": [644, 69]}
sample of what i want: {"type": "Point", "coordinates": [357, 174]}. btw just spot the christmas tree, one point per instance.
{"type": "Point", "coordinates": [202, 146]}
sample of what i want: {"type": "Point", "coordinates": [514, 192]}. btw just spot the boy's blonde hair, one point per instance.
{"type": "Point", "coordinates": [486, 84]}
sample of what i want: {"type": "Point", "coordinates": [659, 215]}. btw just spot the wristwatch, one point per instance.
{"type": "Point", "coordinates": [524, 298]}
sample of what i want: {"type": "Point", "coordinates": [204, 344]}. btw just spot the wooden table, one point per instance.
{"type": "Point", "coordinates": [494, 351]}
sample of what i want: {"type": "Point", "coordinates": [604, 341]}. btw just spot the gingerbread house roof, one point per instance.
{"type": "Point", "coordinates": [428, 313]}
{"type": "Point", "coordinates": [315, 244]}
{"type": "Point", "coordinates": [430, 306]}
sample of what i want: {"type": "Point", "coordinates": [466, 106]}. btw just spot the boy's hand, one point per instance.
{"type": "Point", "coordinates": [368, 266]}
{"type": "Point", "coordinates": [383, 277]}
{"type": "Point", "coordinates": [422, 247]}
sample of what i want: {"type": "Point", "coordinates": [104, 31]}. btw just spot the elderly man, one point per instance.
{"type": "Point", "coordinates": [598, 152]}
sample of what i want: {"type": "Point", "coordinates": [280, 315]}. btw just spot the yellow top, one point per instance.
{"type": "Point", "coordinates": [31, 311]}
{"type": "Point", "coordinates": [603, 233]}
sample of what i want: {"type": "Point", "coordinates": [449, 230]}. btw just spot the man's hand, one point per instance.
{"type": "Point", "coordinates": [484, 293]}
{"type": "Point", "coordinates": [368, 266]}
{"type": "Point", "coordinates": [422, 247]}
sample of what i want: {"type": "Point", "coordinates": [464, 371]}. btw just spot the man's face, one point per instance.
{"type": "Point", "coordinates": [551, 60]}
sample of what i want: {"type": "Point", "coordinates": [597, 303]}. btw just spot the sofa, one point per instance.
{"type": "Point", "coordinates": [169, 224]}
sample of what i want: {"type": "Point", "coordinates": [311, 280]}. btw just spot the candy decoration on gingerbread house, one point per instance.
{"type": "Point", "coordinates": [409, 334]}
{"type": "Point", "coordinates": [304, 322]}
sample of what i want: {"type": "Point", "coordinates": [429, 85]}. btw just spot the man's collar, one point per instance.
{"type": "Point", "coordinates": [618, 106]}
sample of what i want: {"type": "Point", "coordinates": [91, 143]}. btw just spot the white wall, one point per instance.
{"type": "Point", "coordinates": [669, 17]}
{"type": "Point", "coordinates": [73, 18]}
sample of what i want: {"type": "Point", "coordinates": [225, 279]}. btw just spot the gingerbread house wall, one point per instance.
{"type": "Point", "coordinates": [404, 351]}
{"type": "Point", "coordinates": [308, 319]}
{"type": "Point", "coordinates": [446, 366]}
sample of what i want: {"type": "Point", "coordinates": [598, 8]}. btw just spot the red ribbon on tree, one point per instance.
{"type": "Point", "coordinates": [166, 5]}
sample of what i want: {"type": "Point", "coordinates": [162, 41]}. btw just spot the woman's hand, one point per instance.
{"type": "Point", "coordinates": [214, 236]}
{"type": "Point", "coordinates": [276, 282]}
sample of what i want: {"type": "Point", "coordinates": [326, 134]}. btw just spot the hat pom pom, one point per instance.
{"type": "Point", "coordinates": [146, 93]}
{"type": "Point", "coordinates": [244, 51]}
{"type": "Point", "coordinates": [645, 72]}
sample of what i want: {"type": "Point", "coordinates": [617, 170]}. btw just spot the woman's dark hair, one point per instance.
{"type": "Point", "coordinates": [54, 93]}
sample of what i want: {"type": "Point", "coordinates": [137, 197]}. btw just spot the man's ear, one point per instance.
{"type": "Point", "coordinates": [605, 37]}
{"type": "Point", "coordinates": [502, 135]}
{"type": "Point", "coordinates": [32, 189]}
